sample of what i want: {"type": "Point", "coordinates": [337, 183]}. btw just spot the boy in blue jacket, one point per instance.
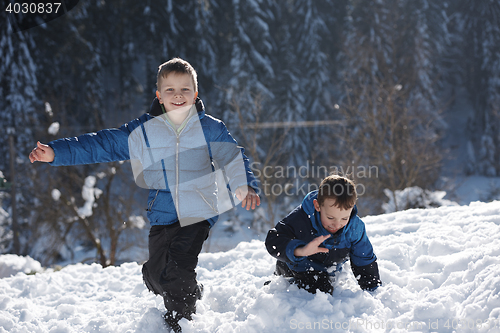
{"type": "Point", "coordinates": [317, 237]}
{"type": "Point", "coordinates": [178, 153]}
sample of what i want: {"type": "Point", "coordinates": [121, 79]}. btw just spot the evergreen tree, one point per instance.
{"type": "Point", "coordinates": [69, 72]}
{"type": "Point", "coordinates": [391, 105]}
{"type": "Point", "coordinates": [334, 14]}
{"type": "Point", "coordinates": [316, 49]}
{"type": "Point", "coordinates": [116, 33]}
{"type": "Point", "coordinates": [96, 62]}
{"type": "Point", "coordinates": [70, 68]}
{"type": "Point", "coordinates": [302, 75]}
{"type": "Point", "coordinates": [250, 69]}
{"type": "Point", "coordinates": [478, 25]}
{"type": "Point", "coordinates": [18, 85]}
{"type": "Point", "coordinates": [181, 29]}
{"type": "Point", "coordinates": [85, 70]}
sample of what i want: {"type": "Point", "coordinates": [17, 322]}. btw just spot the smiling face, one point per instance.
{"type": "Point", "coordinates": [177, 91]}
{"type": "Point", "coordinates": [333, 218]}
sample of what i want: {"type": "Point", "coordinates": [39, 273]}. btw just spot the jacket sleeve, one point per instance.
{"type": "Point", "coordinates": [228, 155]}
{"type": "Point", "coordinates": [363, 260]}
{"type": "Point", "coordinates": [281, 241]}
{"type": "Point", "coordinates": [368, 276]}
{"type": "Point", "coordinates": [107, 145]}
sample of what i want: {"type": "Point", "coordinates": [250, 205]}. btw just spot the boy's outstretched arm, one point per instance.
{"type": "Point", "coordinates": [42, 153]}
{"type": "Point", "coordinates": [106, 145]}
{"type": "Point", "coordinates": [248, 197]}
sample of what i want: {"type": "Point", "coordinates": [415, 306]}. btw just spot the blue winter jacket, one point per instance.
{"type": "Point", "coordinates": [203, 161]}
{"type": "Point", "coordinates": [303, 224]}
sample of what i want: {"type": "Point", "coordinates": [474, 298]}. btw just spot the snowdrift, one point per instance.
{"type": "Point", "coordinates": [10, 264]}
{"type": "Point", "coordinates": [440, 268]}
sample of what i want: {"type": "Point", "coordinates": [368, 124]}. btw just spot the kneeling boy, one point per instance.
{"type": "Point", "coordinates": [317, 237]}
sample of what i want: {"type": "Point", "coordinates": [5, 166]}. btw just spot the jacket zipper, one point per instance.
{"type": "Point", "coordinates": [176, 169]}
{"type": "Point", "coordinates": [177, 172]}
{"type": "Point", "coordinates": [176, 199]}
{"type": "Point", "coordinates": [153, 201]}
{"type": "Point", "coordinates": [211, 205]}
{"type": "Point", "coordinates": [178, 135]}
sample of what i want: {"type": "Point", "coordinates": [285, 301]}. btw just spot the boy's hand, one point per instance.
{"type": "Point", "coordinates": [247, 196]}
{"type": "Point", "coordinates": [42, 153]}
{"type": "Point", "coordinates": [312, 247]}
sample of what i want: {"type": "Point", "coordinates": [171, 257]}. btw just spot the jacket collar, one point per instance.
{"type": "Point", "coordinates": [155, 108]}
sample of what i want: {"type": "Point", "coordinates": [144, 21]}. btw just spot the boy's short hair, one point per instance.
{"type": "Point", "coordinates": [339, 188]}
{"type": "Point", "coordinates": [179, 66]}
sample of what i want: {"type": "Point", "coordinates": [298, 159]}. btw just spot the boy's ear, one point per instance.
{"type": "Point", "coordinates": [195, 95]}
{"type": "Point", "coordinates": [316, 205]}
{"type": "Point", "coordinates": [158, 95]}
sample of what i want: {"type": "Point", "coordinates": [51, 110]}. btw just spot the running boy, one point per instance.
{"type": "Point", "coordinates": [317, 237]}
{"type": "Point", "coordinates": [178, 152]}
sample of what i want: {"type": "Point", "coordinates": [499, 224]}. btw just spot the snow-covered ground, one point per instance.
{"type": "Point", "coordinates": [440, 268]}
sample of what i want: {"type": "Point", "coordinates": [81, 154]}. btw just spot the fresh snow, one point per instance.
{"type": "Point", "coordinates": [440, 268]}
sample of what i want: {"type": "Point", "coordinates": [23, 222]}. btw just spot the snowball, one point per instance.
{"type": "Point", "coordinates": [53, 128]}
{"type": "Point", "coordinates": [56, 194]}
{"type": "Point", "coordinates": [48, 109]}
{"type": "Point", "coordinates": [137, 222]}
{"type": "Point", "coordinates": [89, 194]}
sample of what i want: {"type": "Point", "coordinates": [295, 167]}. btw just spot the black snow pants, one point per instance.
{"type": "Point", "coordinates": [310, 281]}
{"type": "Point", "coordinates": [170, 270]}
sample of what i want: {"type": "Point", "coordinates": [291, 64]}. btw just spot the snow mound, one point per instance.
{"type": "Point", "coordinates": [440, 268]}
{"type": "Point", "coordinates": [414, 197]}
{"type": "Point", "coordinates": [11, 264]}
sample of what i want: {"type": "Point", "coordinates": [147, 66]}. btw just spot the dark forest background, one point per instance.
{"type": "Point", "coordinates": [356, 86]}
